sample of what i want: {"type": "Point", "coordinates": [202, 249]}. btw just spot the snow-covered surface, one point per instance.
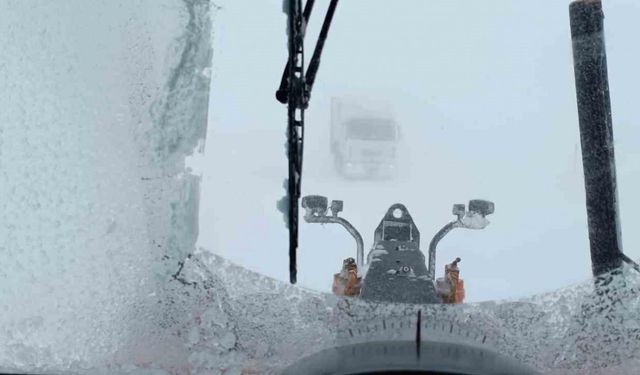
{"type": "Point", "coordinates": [102, 102]}
{"type": "Point", "coordinates": [475, 221]}
{"type": "Point", "coordinates": [232, 319]}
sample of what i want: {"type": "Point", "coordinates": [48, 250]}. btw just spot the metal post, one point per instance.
{"type": "Point", "coordinates": [596, 134]}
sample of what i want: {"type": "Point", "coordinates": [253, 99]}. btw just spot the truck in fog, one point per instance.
{"type": "Point", "coordinates": [364, 138]}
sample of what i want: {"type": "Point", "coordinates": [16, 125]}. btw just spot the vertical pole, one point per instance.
{"type": "Point", "coordinates": [596, 134]}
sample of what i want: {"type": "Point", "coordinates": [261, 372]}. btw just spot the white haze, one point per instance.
{"type": "Point", "coordinates": [484, 92]}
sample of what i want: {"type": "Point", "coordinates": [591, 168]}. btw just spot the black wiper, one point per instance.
{"type": "Point", "coordinates": [295, 90]}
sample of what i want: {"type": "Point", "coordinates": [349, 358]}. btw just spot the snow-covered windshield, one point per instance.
{"type": "Point", "coordinates": [371, 129]}
{"type": "Point", "coordinates": [144, 162]}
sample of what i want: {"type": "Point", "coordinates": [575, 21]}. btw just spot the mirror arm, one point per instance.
{"type": "Point", "coordinates": [434, 243]}
{"type": "Point", "coordinates": [347, 225]}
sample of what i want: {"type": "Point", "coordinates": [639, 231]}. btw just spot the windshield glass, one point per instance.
{"type": "Point", "coordinates": [371, 130]}
{"type": "Point", "coordinates": [147, 169]}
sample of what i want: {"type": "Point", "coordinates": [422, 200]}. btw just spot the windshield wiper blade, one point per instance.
{"type": "Point", "coordinates": [295, 89]}
{"type": "Point", "coordinates": [282, 94]}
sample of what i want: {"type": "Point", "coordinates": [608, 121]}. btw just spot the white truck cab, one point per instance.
{"type": "Point", "coordinates": [364, 138]}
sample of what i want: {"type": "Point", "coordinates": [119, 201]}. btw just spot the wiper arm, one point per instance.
{"type": "Point", "coordinates": [282, 94]}
{"type": "Point", "coordinates": [295, 89]}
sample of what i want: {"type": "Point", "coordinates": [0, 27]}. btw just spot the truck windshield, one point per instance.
{"type": "Point", "coordinates": [371, 130]}
{"type": "Point", "coordinates": [149, 176]}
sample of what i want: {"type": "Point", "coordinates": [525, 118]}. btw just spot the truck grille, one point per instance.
{"type": "Point", "coordinates": [372, 153]}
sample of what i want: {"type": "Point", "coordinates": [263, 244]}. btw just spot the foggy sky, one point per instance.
{"type": "Point", "coordinates": [484, 93]}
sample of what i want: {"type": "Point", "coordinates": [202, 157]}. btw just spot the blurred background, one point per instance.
{"type": "Point", "coordinates": [483, 95]}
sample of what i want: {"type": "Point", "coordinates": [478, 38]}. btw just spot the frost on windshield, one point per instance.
{"type": "Point", "coordinates": [231, 319]}
{"type": "Point", "coordinates": [101, 105]}
{"type": "Point", "coordinates": [101, 102]}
